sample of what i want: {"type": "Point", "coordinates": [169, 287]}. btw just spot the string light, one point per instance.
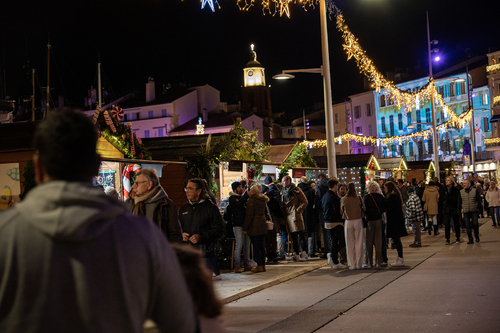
{"type": "Point", "coordinates": [210, 3]}
{"type": "Point", "coordinates": [493, 140]}
{"type": "Point", "coordinates": [492, 68]}
{"type": "Point", "coordinates": [496, 99]}
{"type": "Point", "coordinates": [200, 128]}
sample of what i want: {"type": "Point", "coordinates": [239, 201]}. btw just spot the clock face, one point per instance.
{"type": "Point", "coordinates": [250, 73]}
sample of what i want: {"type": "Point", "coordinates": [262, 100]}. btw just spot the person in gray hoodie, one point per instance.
{"type": "Point", "coordinates": [73, 260]}
{"type": "Point", "coordinates": [152, 201]}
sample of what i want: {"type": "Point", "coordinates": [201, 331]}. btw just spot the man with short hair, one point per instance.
{"type": "Point", "coordinates": [469, 197]}
{"type": "Point", "coordinates": [73, 260]}
{"type": "Point", "coordinates": [237, 209]}
{"type": "Point", "coordinates": [449, 198]}
{"type": "Point", "coordinates": [201, 222]}
{"type": "Point", "coordinates": [334, 223]}
{"type": "Point", "coordinates": [152, 201]}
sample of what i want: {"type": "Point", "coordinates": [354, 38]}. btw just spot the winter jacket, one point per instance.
{"type": "Point", "coordinates": [352, 208]}
{"type": "Point", "coordinates": [73, 260]}
{"type": "Point", "coordinates": [395, 218]}
{"type": "Point", "coordinates": [449, 199]}
{"type": "Point", "coordinates": [309, 214]}
{"type": "Point", "coordinates": [469, 198]}
{"type": "Point", "coordinates": [414, 212]}
{"type": "Point", "coordinates": [202, 218]}
{"type": "Point", "coordinates": [163, 212]}
{"type": "Point", "coordinates": [255, 218]}
{"type": "Point", "coordinates": [331, 208]}
{"type": "Point", "coordinates": [321, 190]}
{"type": "Point", "coordinates": [404, 192]}
{"type": "Point", "coordinates": [431, 199]}
{"type": "Point", "coordinates": [237, 208]}
{"type": "Point", "coordinates": [493, 197]}
{"type": "Point", "coordinates": [375, 206]}
{"type": "Point", "coordinates": [293, 208]}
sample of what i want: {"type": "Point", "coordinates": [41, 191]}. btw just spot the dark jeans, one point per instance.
{"type": "Point", "coordinates": [384, 242]}
{"type": "Point", "coordinates": [284, 236]}
{"type": "Point", "coordinates": [295, 240]}
{"type": "Point", "coordinates": [399, 245]}
{"type": "Point", "coordinates": [259, 250]}
{"type": "Point", "coordinates": [326, 238]}
{"type": "Point", "coordinates": [337, 237]}
{"type": "Point", "coordinates": [212, 262]}
{"type": "Point", "coordinates": [495, 215]}
{"type": "Point", "coordinates": [456, 222]}
{"type": "Point", "coordinates": [471, 221]}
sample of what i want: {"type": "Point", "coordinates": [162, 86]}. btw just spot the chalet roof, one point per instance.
{"type": "Point", "coordinates": [415, 165]}
{"type": "Point", "coordinates": [352, 160]}
{"type": "Point", "coordinates": [279, 153]}
{"type": "Point", "coordinates": [172, 148]}
{"type": "Point", "coordinates": [214, 120]}
{"type": "Point", "coordinates": [389, 163]}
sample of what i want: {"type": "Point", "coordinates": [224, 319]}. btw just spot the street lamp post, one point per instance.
{"type": "Point", "coordinates": [433, 110]}
{"type": "Point", "coordinates": [327, 92]}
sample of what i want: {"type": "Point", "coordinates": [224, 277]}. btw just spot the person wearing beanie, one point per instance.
{"type": "Point", "coordinates": [237, 212]}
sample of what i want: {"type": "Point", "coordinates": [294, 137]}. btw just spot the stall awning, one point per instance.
{"type": "Point", "coordinates": [495, 118]}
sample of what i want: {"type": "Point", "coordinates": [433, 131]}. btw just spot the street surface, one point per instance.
{"type": "Point", "coordinates": [453, 288]}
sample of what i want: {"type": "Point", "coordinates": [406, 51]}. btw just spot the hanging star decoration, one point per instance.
{"type": "Point", "coordinates": [283, 8]}
{"type": "Point", "coordinates": [211, 3]}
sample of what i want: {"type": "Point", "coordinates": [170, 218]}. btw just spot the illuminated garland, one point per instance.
{"type": "Point", "coordinates": [460, 122]}
{"type": "Point", "coordinates": [492, 68]}
{"type": "Point", "coordinates": [496, 99]}
{"type": "Point", "coordinates": [211, 3]}
{"type": "Point", "coordinates": [274, 7]}
{"type": "Point", "coordinates": [490, 141]}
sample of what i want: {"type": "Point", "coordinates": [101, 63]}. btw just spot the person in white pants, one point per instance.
{"type": "Point", "coordinates": [353, 210]}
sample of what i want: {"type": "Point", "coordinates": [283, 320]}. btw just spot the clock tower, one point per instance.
{"type": "Point", "coordinates": [255, 95]}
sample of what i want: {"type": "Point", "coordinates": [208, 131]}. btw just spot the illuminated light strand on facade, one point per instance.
{"type": "Point", "coordinates": [492, 68]}
{"type": "Point", "coordinates": [493, 140]}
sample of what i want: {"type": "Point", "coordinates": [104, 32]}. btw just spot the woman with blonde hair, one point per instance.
{"type": "Point", "coordinates": [375, 207]}
{"type": "Point", "coordinates": [493, 198]}
{"type": "Point", "coordinates": [255, 225]}
{"type": "Point", "coordinates": [353, 210]}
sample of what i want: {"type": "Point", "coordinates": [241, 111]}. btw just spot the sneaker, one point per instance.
{"type": "Point", "coordinates": [253, 263]}
{"type": "Point", "coordinates": [280, 257]}
{"type": "Point", "coordinates": [247, 267]}
{"type": "Point", "coordinates": [238, 269]}
{"type": "Point", "coordinates": [312, 255]}
{"type": "Point", "coordinates": [457, 242]}
{"type": "Point", "coordinates": [470, 241]}
{"type": "Point", "coordinates": [399, 262]}
{"type": "Point", "coordinates": [447, 242]}
{"type": "Point", "coordinates": [329, 257]}
{"type": "Point", "coordinates": [366, 266]}
{"type": "Point", "coordinates": [288, 258]}
{"type": "Point", "coordinates": [477, 239]}
{"type": "Point", "coordinates": [383, 264]}
{"type": "Point", "coordinates": [304, 256]}
{"type": "Point", "coordinates": [416, 245]}
{"type": "Point", "coordinates": [216, 277]}
{"type": "Point", "coordinates": [295, 257]}
{"type": "Point", "coordinates": [338, 266]}
{"type": "Point", "coordinates": [257, 269]}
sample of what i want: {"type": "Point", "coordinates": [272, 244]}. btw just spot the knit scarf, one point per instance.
{"type": "Point", "coordinates": [139, 207]}
{"type": "Point", "coordinates": [289, 193]}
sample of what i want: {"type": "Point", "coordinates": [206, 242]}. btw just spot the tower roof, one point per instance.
{"type": "Point", "coordinates": [253, 63]}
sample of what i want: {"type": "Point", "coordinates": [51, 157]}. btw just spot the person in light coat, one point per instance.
{"type": "Point", "coordinates": [294, 203]}
{"type": "Point", "coordinates": [431, 200]}
{"type": "Point", "coordinates": [493, 199]}
{"type": "Point", "coordinates": [353, 210]}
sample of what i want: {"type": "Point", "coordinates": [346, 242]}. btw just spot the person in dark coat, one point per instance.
{"type": "Point", "coordinates": [449, 199]}
{"type": "Point", "coordinates": [201, 222]}
{"type": "Point", "coordinates": [310, 219]}
{"type": "Point", "coordinates": [236, 211]}
{"type": "Point", "coordinates": [395, 219]}
{"type": "Point", "coordinates": [256, 227]}
{"type": "Point", "coordinates": [375, 207]}
{"type": "Point", "coordinates": [274, 209]}
{"type": "Point", "coordinates": [321, 190]}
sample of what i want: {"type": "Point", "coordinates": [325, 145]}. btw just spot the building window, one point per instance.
{"type": "Point", "coordinates": [441, 90]}
{"type": "Point", "coordinates": [382, 101]}
{"type": "Point", "coordinates": [370, 132]}
{"type": "Point", "coordinates": [428, 118]}
{"type": "Point", "coordinates": [391, 125]}
{"type": "Point", "coordinates": [291, 131]}
{"type": "Point", "coordinates": [160, 132]}
{"type": "Point", "coordinates": [138, 116]}
{"type": "Point", "coordinates": [400, 122]}
{"type": "Point", "coordinates": [368, 110]}
{"type": "Point", "coordinates": [408, 118]}
{"type": "Point", "coordinates": [486, 124]}
{"type": "Point", "coordinates": [150, 114]}
{"type": "Point", "coordinates": [357, 112]}
{"type": "Point", "coordinates": [418, 121]}
{"type": "Point", "coordinates": [420, 149]}
{"type": "Point", "coordinates": [484, 98]}
{"type": "Point", "coordinates": [393, 150]}
{"type": "Point", "coordinates": [336, 118]}
{"type": "Point", "coordinates": [359, 130]}
{"type": "Point", "coordinates": [146, 133]}
{"type": "Point", "coordinates": [452, 89]}
{"type": "Point", "coordinates": [465, 107]}
{"type": "Point", "coordinates": [125, 117]}
{"type": "Point", "coordinates": [410, 149]}
{"type": "Point", "coordinates": [382, 123]}
{"type": "Point", "coordinates": [337, 134]}
{"type": "Point", "coordinates": [164, 112]}
{"type": "Point", "coordinates": [462, 87]}
{"type": "Point", "coordinates": [360, 151]}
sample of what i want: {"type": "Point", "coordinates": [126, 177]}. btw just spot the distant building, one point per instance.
{"type": "Point", "coordinates": [362, 120]}
{"type": "Point", "coordinates": [493, 72]}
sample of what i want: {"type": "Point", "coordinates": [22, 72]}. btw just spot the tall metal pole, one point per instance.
{"type": "Point", "coordinates": [471, 107]}
{"type": "Point", "coordinates": [304, 123]}
{"type": "Point", "coordinates": [433, 109]}
{"type": "Point", "coordinates": [99, 84]}
{"type": "Point", "coordinates": [33, 96]}
{"type": "Point", "coordinates": [48, 78]}
{"type": "Point", "coordinates": [329, 119]}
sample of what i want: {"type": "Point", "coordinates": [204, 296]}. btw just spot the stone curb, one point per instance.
{"type": "Point", "coordinates": [275, 281]}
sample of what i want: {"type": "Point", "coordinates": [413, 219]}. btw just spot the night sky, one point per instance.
{"type": "Point", "coordinates": [176, 41]}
